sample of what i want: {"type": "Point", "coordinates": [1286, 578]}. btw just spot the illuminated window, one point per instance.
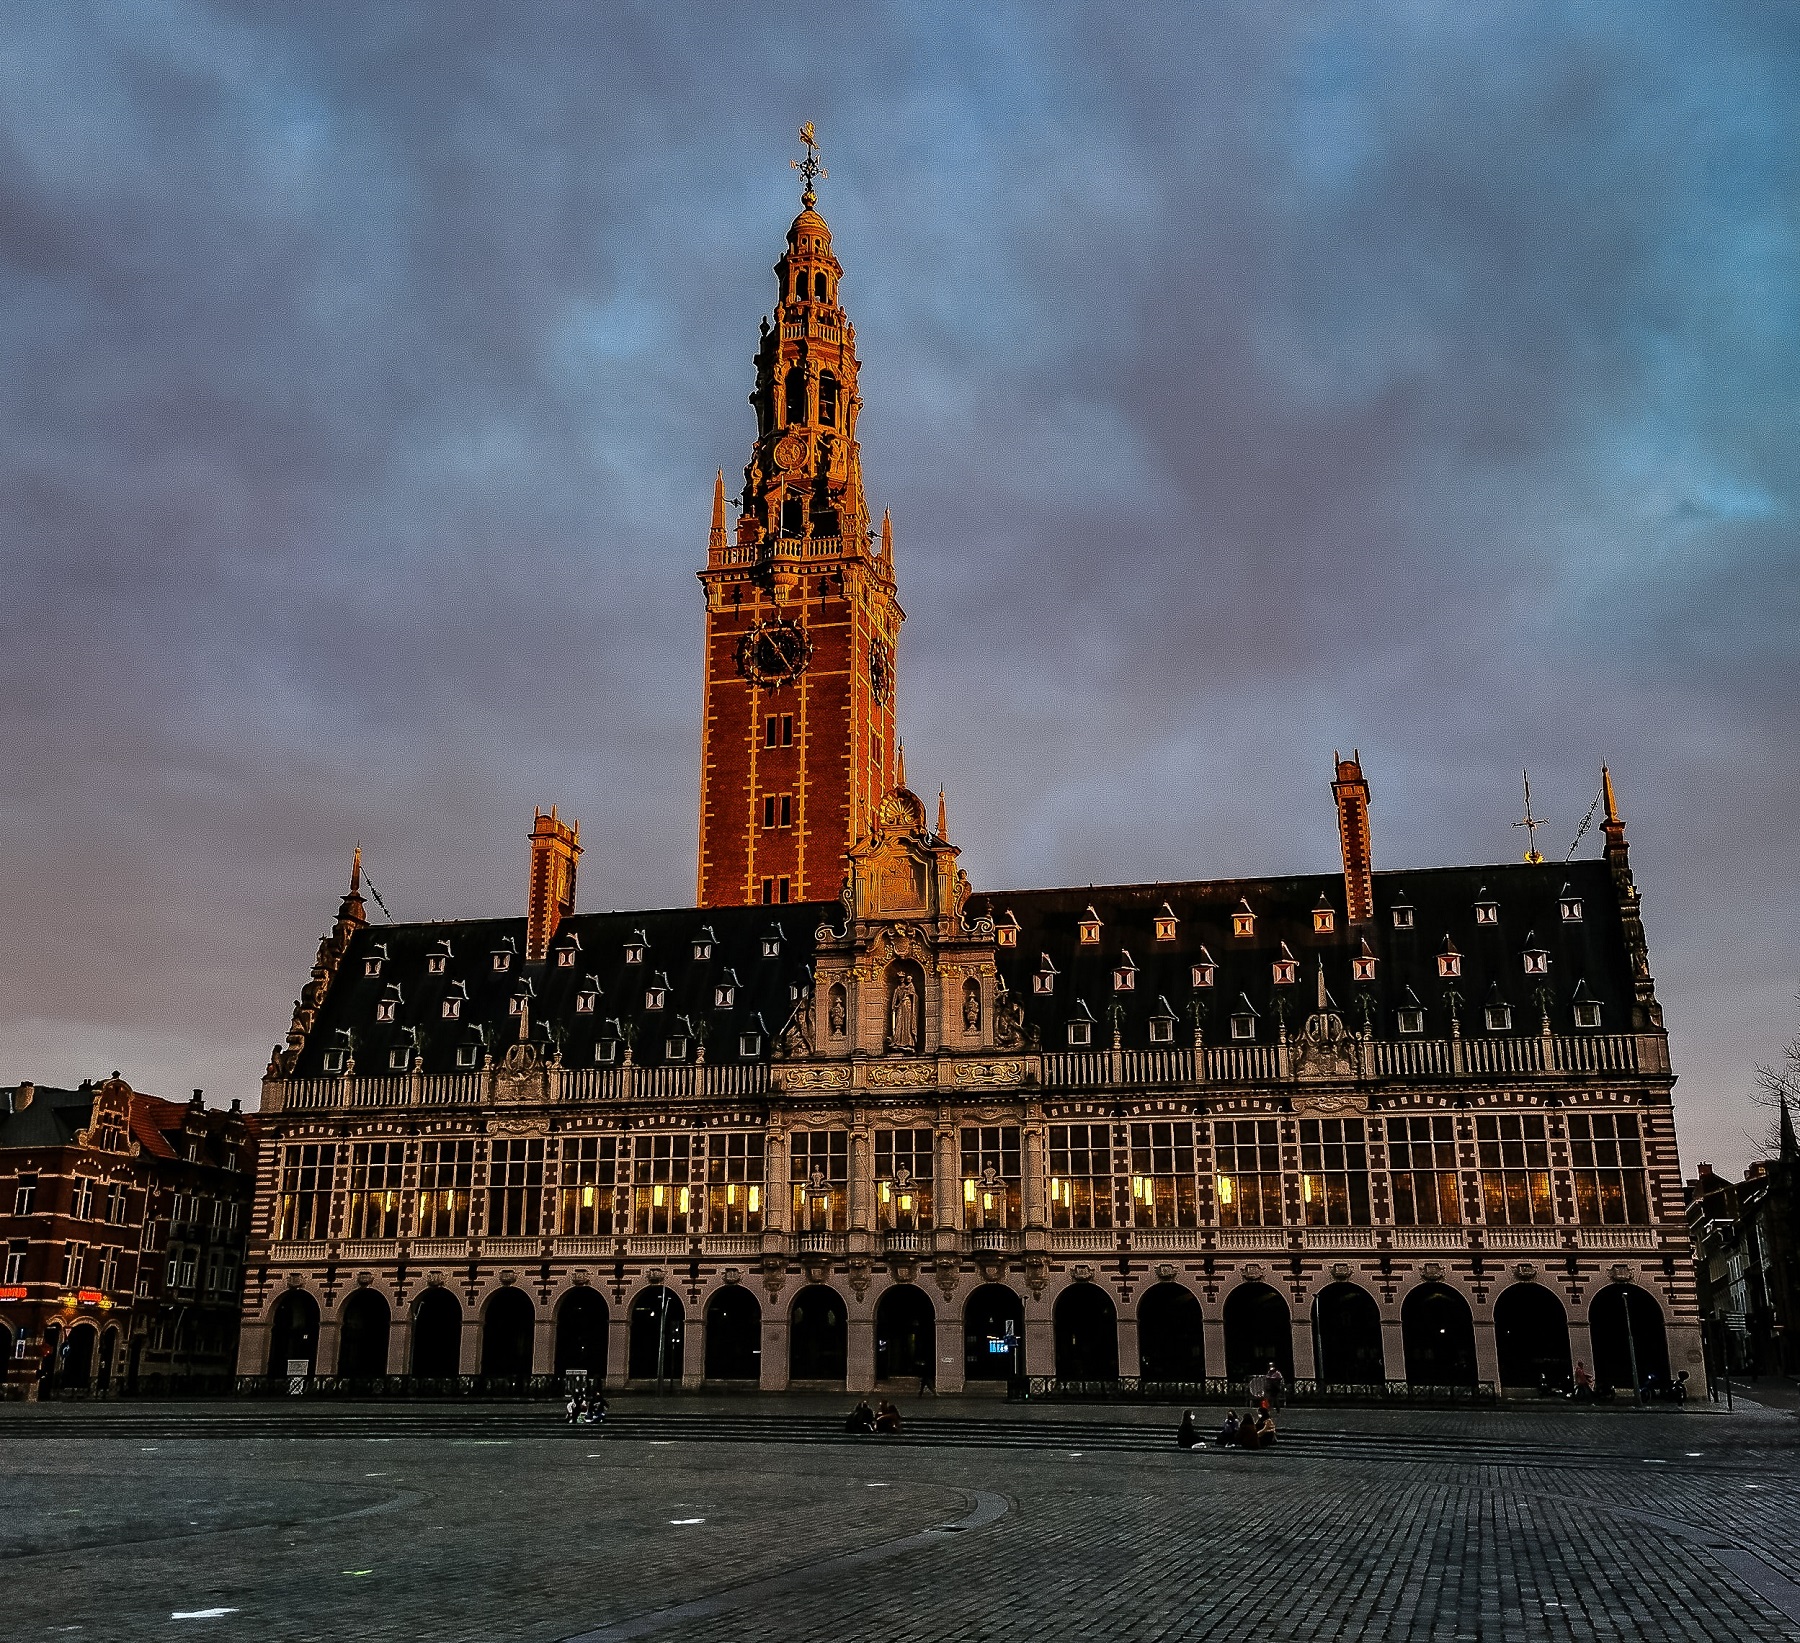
{"type": "Point", "coordinates": [1166, 923]}
{"type": "Point", "coordinates": [1164, 1186]}
{"type": "Point", "coordinates": [1243, 921]}
{"type": "Point", "coordinates": [1247, 1172]}
{"type": "Point", "coordinates": [1324, 919]}
{"type": "Point", "coordinates": [376, 1171]}
{"type": "Point", "coordinates": [1081, 1176]}
{"type": "Point", "coordinates": [733, 1194]}
{"type": "Point", "coordinates": [1006, 930]}
{"type": "Point", "coordinates": [1089, 928]}
{"type": "Point", "coordinates": [303, 1191]}
{"type": "Point", "coordinates": [1513, 1151]}
{"type": "Point", "coordinates": [1334, 1172]}
{"type": "Point", "coordinates": [819, 1179]}
{"type": "Point", "coordinates": [1422, 1175]}
{"type": "Point", "coordinates": [904, 1168]}
{"type": "Point", "coordinates": [1608, 1155]}
{"type": "Point", "coordinates": [1449, 961]}
{"type": "Point", "coordinates": [990, 1169]}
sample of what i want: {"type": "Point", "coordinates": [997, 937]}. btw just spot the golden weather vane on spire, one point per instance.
{"type": "Point", "coordinates": [811, 167]}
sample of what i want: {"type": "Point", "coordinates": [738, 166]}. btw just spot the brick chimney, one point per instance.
{"type": "Point", "coordinates": [555, 845]}
{"type": "Point", "coordinates": [1352, 795]}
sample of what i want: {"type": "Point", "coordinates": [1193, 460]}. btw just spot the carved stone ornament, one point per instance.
{"type": "Point", "coordinates": [294, 1280]}
{"type": "Point", "coordinates": [508, 1276]}
{"type": "Point", "coordinates": [860, 1266]}
{"type": "Point", "coordinates": [816, 1267]}
{"type": "Point", "coordinates": [1166, 1272]}
{"type": "Point", "coordinates": [1325, 1049]}
{"type": "Point", "coordinates": [991, 1264]}
{"type": "Point", "coordinates": [990, 1072]}
{"type": "Point", "coordinates": [1328, 1105]}
{"type": "Point", "coordinates": [520, 1058]}
{"type": "Point", "coordinates": [1432, 1272]}
{"type": "Point", "coordinates": [1622, 1274]}
{"type": "Point", "coordinates": [947, 1276]}
{"type": "Point", "coordinates": [1037, 1274]}
{"type": "Point", "coordinates": [1341, 1270]}
{"type": "Point", "coordinates": [1083, 1274]}
{"type": "Point", "coordinates": [1525, 1271]}
{"type": "Point", "coordinates": [364, 1279]}
{"type": "Point", "coordinates": [906, 1076]}
{"type": "Point", "coordinates": [518, 1126]}
{"type": "Point", "coordinates": [581, 1277]}
{"type": "Point", "coordinates": [904, 1269]}
{"type": "Point", "coordinates": [434, 1280]}
{"type": "Point", "coordinates": [1252, 1271]}
{"type": "Point", "coordinates": [654, 1277]}
{"type": "Point", "coordinates": [732, 1275]}
{"type": "Point", "coordinates": [774, 1275]}
{"type": "Point", "coordinates": [815, 1078]}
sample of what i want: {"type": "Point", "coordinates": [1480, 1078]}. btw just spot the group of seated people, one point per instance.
{"type": "Point", "coordinates": [1255, 1429]}
{"type": "Point", "coordinates": [585, 1408]}
{"type": "Point", "coordinates": [862, 1418]}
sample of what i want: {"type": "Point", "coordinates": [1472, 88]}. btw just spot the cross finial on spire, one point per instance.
{"type": "Point", "coordinates": [809, 168]}
{"type": "Point", "coordinates": [1531, 824]}
{"type": "Point", "coordinates": [943, 827]}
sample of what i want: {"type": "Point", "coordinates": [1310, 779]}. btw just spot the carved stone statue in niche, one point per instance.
{"type": "Point", "coordinates": [839, 1016]}
{"type": "Point", "coordinates": [971, 1006]}
{"type": "Point", "coordinates": [903, 1014]}
{"type": "Point", "coordinates": [1009, 1021]}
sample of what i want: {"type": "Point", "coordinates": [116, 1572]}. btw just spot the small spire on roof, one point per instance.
{"type": "Point", "coordinates": [718, 517]}
{"type": "Point", "coordinates": [943, 827]}
{"type": "Point", "coordinates": [900, 764]}
{"type": "Point", "coordinates": [356, 869]}
{"type": "Point", "coordinates": [1790, 1148]}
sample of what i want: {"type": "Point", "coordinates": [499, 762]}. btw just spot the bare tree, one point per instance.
{"type": "Point", "coordinates": [1775, 1084]}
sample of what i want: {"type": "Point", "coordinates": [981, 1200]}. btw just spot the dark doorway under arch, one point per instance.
{"type": "Point", "coordinates": [1347, 1337]}
{"type": "Point", "coordinates": [818, 1335]}
{"type": "Point", "coordinates": [1439, 1332]}
{"type": "Point", "coordinates": [437, 1335]}
{"type": "Point", "coordinates": [581, 1323]}
{"type": "Point", "coordinates": [363, 1336]}
{"type": "Point", "coordinates": [1087, 1334]}
{"type": "Point", "coordinates": [78, 1357]}
{"type": "Point", "coordinates": [109, 1353]}
{"type": "Point", "coordinates": [506, 1333]}
{"type": "Point", "coordinates": [1258, 1332]}
{"type": "Point", "coordinates": [1612, 1310]}
{"type": "Point", "coordinates": [656, 1320]}
{"type": "Point", "coordinates": [993, 1334]}
{"type": "Point", "coordinates": [733, 1335]}
{"type": "Point", "coordinates": [905, 1335]}
{"type": "Point", "coordinates": [1171, 1336]}
{"type": "Point", "coordinates": [293, 1333]}
{"type": "Point", "coordinates": [1531, 1337]}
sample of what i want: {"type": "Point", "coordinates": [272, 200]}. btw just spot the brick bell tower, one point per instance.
{"type": "Point", "coordinates": [797, 742]}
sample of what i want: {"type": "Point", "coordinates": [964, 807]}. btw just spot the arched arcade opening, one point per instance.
{"type": "Point", "coordinates": [1531, 1338]}
{"type": "Point", "coordinates": [993, 1334]}
{"type": "Point", "coordinates": [1439, 1332]}
{"type": "Point", "coordinates": [1087, 1334]}
{"type": "Point", "coordinates": [363, 1336]}
{"type": "Point", "coordinates": [905, 1335]}
{"type": "Point", "coordinates": [1258, 1332]}
{"type": "Point", "coordinates": [733, 1335]}
{"type": "Point", "coordinates": [818, 1335]}
{"type": "Point", "coordinates": [1171, 1336]}
{"type": "Point", "coordinates": [1347, 1337]}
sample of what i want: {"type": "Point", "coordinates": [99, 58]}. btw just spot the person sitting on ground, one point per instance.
{"type": "Point", "coordinates": [862, 1417]}
{"type": "Point", "coordinates": [1188, 1434]}
{"type": "Point", "coordinates": [1246, 1432]}
{"type": "Point", "coordinates": [1265, 1431]}
{"type": "Point", "coordinates": [596, 1409]}
{"type": "Point", "coordinates": [887, 1417]}
{"type": "Point", "coordinates": [1229, 1431]}
{"type": "Point", "coordinates": [572, 1405]}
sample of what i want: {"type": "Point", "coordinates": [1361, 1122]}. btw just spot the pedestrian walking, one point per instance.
{"type": "Point", "coordinates": [1276, 1384]}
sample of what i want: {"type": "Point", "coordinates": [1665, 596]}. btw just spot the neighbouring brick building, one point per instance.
{"type": "Point", "coordinates": [1747, 1252]}
{"type": "Point", "coordinates": [1388, 1129]}
{"type": "Point", "coordinates": [122, 1227]}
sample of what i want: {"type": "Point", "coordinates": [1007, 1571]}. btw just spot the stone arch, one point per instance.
{"type": "Point", "coordinates": [903, 1006]}
{"type": "Point", "coordinates": [794, 395]}
{"type": "Point", "coordinates": [1347, 1336]}
{"type": "Point", "coordinates": [1171, 1336]}
{"type": "Point", "coordinates": [78, 1349]}
{"type": "Point", "coordinates": [1531, 1338]}
{"type": "Point", "coordinates": [1626, 1322]}
{"type": "Point", "coordinates": [733, 1335]}
{"type": "Point", "coordinates": [657, 1317]}
{"type": "Point", "coordinates": [1439, 1332]}
{"type": "Point", "coordinates": [905, 1335]}
{"type": "Point", "coordinates": [828, 384]}
{"type": "Point", "coordinates": [1259, 1331]}
{"type": "Point", "coordinates": [987, 1315]}
{"type": "Point", "coordinates": [507, 1327]}
{"type": "Point", "coordinates": [1087, 1334]}
{"type": "Point", "coordinates": [818, 1335]}
{"type": "Point", "coordinates": [293, 1333]}
{"type": "Point", "coordinates": [582, 1320]}
{"type": "Point", "coordinates": [363, 1335]}
{"type": "Point", "coordinates": [971, 1007]}
{"type": "Point", "coordinates": [109, 1357]}
{"type": "Point", "coordinates": [437, 1334]}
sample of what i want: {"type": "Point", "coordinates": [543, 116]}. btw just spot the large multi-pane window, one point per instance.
{"type": "Point", "coordinates": [1334, 1172]}
{"type": "Point", "coordinates": [515, 1194]}
{"type": "Point", "coordinates": [1608, 1154]}
{"type": "Point", "coordinates": [903, 1177]}
{"type": "Point", "coordinates": [1081, 1175]}
{"type": "Point", "coordinates": [1513, 1150]}
{"type": "Point", "coordinates": [1247, 1172]}
{"type": "Point", "coordinates": [1422, 1171]}
{"type": "Point", "coordinates": [74, 1262]}
{"type": "Point", "coordinates": [1164, 1191]}
{"type": "Point", "coordinates": [990, 1176]}
{"type": "Point", "coordinates": [663, 1184]}
{"type": "Point", "coordinates": [303, 1201]}
{"type": "Point", "coordinates": [376, 1170]}
{"type": "Point", "coordinates": [819, 1174]}
{"type": "Point", "coordinates": [446, 1187]}
{"type": "Point", "coordinates": [734, 1181]}
{"type": "Point", "coordinates": [589, 1184]}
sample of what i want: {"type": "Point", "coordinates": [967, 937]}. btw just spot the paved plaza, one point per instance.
{"type": "Point", "coordinates": [760, 1520]}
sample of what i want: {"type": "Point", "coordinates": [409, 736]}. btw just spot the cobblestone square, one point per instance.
{"type": "Point", "coordinates": [754, 1520]}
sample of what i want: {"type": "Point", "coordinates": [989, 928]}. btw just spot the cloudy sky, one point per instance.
{"type": "Point", "coordinates": [1246, 381]}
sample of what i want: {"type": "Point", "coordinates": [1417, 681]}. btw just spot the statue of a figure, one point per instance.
{"type": "Point", "coordinates": [838, 1014]}
{"type": "Point", "coordinates": [971, 1006]}
{"type": "Point", "coordinates": [903, 1014]}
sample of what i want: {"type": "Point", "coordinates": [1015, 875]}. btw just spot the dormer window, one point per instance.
{"type": "Point", "coordinates": [1243, 1020]}
{"type": "Point", "coordinates": [1045, 979]}
{"type": "Point", "coordinates": [606, 1051]}
{"type": "Point", "coordinates": [372, 964]}
{"type": "Point", "coordinates": [675, 1049]}
{"type": "Point", "coordinates": [1569, 906]}
{"type": "Point", "coordinates": [384, 1010]}
{"type": "Point", "coordinates": [467, 1055]}
{"type": "Point", "coordinates": [516, 1005]}
{"type": "Point", "coordinates": [1449, 961]}
{"type": "Point", "coordinates": [635, 948]}
{"type": "Point", "coordinates": [1090, 929]}
{"type": "Point", "coordinates": [453, 1008]}
{"type": "Point", "coordinates": [749, 1045]}
{"type": "Point", "coordinates": [657, 993]}
{"type": "Point", "coordinates": [1486, 910]}
{"type": "Point", "coordinates": [1410, 1017]}
{"type": "Point", "coordinates": [1162, 1024]}
{"type": "Point", "coordinates": [1006, 930]}
{"type": "Point", "coordinates": [399, 1059]}
{"type": "Point", "coordinates": [588, 999]}
{"type": "Point", "coordinates": [1499, 1018]}
{"type": "Point", "coordinates": [1125, 975]}
{"type": "Point", "coordinates": [703, 945]}
{"type": "Point", "coordinates": [1204, 971]}
{"type": "Point", "coordinates": [1362, 966]}
{"type": "Point", "coordinates": [336, 1059]}
{"type": "Point", "coordinates": [1243, 921]}
{"type": "Point", "coordinates": [771, 942]}
{"type": "Point", "coordinates": [1403, 916]}
{"type": "Point", "coordinates": [1165, 922]}
{"type": "Point", "coordinates": [437, 961]}
{"type": "Point", "coordinates": [1536, 960]}
{"type": "Point", "coordinates": [725, 992]}
{"type": "Point", "coordinates": [1081, 1034]}
{"type": "Point", "coordinates": [502, 958]}
{"type": "Point", "coordinates": [1587, 1010]}
{"type": "Point", "coordinates": [1324, 918]}
{"type": "Point", "coordinates": [565, 956]}
{"type": "Point", "coordinates": [1285, 970]}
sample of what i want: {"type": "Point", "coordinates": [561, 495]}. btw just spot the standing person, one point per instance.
{"type": "Point", "coordinates": [1188, 1434]}
{"type": "Point", "coordinates": [1584, 1381]}
{"type": "Point", "coordinates": [1277, 1385]}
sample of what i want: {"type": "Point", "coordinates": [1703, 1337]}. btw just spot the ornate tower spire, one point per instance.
{"type": "Point", "coordinates": [802, 619]}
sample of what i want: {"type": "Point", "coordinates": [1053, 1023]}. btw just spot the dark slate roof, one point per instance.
{"type": "Point", "coordinates": [50, 1121]}
{"type": "Point", "coordinates": [763, 997]}
{"type": "Point", "coordinates": [1589, 955]}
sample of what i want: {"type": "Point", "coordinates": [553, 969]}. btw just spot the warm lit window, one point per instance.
{"type": "Point", "coordinates": [1090, 929]}
{"type": "Point", "coordinates": [1243, 921]}
{"type": "Point", "coordinates": [1514, 1153]}
{"type": "Point", "coordinates": [1608, 1156]}
{"type": "Point", "coordinates": [819, 1179]}
{"type": "Point", "coordinates": [734, 1181]}
{"type": "Point", "coordinates": [303, 1191]}
{"type": "Point", "coordinates": [1334, 1172]}
{"type": "Point", "coordinates": [1081, 1176]}
{"type": "Point", "coordinates": [376, 1168]}
{"type": "Point", "coordinates": [990, 1176]}
{"type": "Point", "coordinates": [1164, 1186]}
{"type": "Point", "coordinates": [904, 1169]}
{"type": "Point", "coordinates": [1422, 1174]}
{"type": "Point", "coordinates": [1006, 931]}
{"type": "Point", "coordinates": [1165, 923]}
{"type": "Point", "coordinates": [588, 1185]}
{"type": "Point", "coordinates": [1324, 921]}
{"type": "Point", "coordinates": [1247, 1172]}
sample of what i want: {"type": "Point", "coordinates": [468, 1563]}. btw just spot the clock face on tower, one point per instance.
{"type": "Point", "coordinates": [773, 653]}
{"type": "Point", "coordinates": [881, 671]}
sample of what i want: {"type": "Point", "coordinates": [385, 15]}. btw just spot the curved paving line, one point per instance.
{"type": "Point", "coordinates": [988, 1509]}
